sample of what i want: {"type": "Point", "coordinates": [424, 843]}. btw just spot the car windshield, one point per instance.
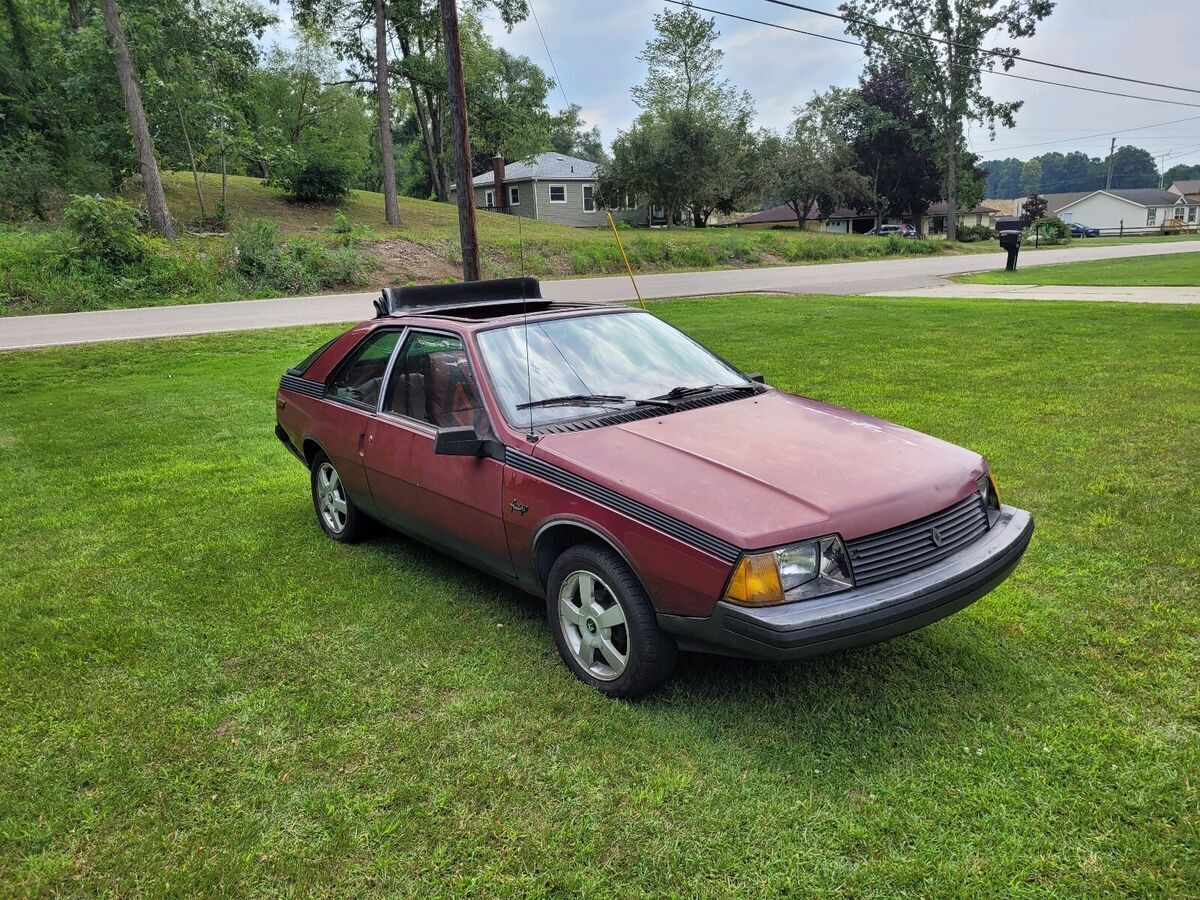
{"type": "Point", "coordinates": [592, 364]}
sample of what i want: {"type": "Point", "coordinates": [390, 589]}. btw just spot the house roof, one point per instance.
{"type": "Point", "coordinates": [784, 213]}
{"type": "Point", "coordinates": [545, 166]}
{"type": "Point", "coordinates": [1191, 186]}
{"type": "Point", "coordinates": [1140, 196]}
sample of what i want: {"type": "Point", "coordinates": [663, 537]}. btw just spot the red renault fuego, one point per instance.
{"type": "Point", "coordinates": [656, 496]}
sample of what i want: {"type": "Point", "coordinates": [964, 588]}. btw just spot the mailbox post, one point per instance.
{"type": "Point", "coordinates": [1009, 231]}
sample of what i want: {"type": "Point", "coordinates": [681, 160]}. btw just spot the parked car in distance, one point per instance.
{"type": "Point", "coordinates": [902, 230]}
{"type": "Point", "coordinates": [654, 495]}
{"type": "Point", "coordinates": [1082, 231]}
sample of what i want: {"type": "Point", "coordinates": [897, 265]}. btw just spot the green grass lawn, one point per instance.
{"type": "Point", "coordinates": [204, 695]}
{"type": "Point", "coordinates": [1172, 269]}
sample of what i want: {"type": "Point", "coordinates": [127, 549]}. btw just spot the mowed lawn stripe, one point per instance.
{"type": "Point", "coordinates": [203, 694]}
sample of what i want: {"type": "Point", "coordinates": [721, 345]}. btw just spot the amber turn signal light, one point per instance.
{"type": "Point", "coordinates": [755, 581]}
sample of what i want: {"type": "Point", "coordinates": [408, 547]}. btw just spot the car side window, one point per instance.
{"type": "Point", "coordinates": [432, 381]}
{"type": "Point", "coordinates": [360, 379]}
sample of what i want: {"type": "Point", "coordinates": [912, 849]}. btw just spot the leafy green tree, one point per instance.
{"type": "Point", "coordinates": [811, 167]}
{"type": "Point", "coordinates": [1031, 177]}
{"type": "Point", "coordinates": [941, 51]}
{"type": "Point", "coordinates": [570, 136]}
{"type": "Point", "coordinates": [686, 102]}
{"type": "Point", "coordinates": [1181, 172]}
{"type": "Point", "coordinates": [1033, 209]}
{"type": "Point", "coordinates": [1133, 167]}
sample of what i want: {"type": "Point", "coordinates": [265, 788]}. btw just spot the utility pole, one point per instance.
{"type": "Point", "coordinates": [461, 136]}
{"type": "Point", "coordinates": [1112, 149]}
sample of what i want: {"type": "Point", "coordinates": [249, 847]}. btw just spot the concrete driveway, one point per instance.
{"type": "Point", "coordinates": [895, 276]}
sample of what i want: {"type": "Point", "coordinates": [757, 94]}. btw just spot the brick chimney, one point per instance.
{"type": "Point", "coordinates": [498, 174]}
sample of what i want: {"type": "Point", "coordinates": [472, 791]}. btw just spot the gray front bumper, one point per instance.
{"type": "Point", "coordinates": [861, 615]}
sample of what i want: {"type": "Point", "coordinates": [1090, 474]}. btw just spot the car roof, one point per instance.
{"type": "Point", "coordinates": [475, 303]}
{"type": "Point", "coordinates": [467, 320]}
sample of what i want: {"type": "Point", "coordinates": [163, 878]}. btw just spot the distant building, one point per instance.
{"type": "Point", "coordinates": [1188, 189]}
{"type": "Point", "coordinates": [552, 187]}
{"type": "Point", "coordinates": [1122, 209]}
{"type": "Point", "coordinates": [848, 221]}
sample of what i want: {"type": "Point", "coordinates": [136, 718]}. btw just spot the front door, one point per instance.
{"type": "Point", "coordinates": [353, 392]}
{"type": "Point", "coordinates": [450, 501]}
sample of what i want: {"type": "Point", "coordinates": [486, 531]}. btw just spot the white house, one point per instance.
{"type": "Point", "coordinates": [1121, 209]}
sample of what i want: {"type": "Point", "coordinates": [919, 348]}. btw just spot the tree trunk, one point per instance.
{"type": "Point", "coordinates": [387, 155]}
{"type": "Point", "coordinates": [952, 185]}
{"type": "Point", "coordinates": [437, 127]}
{"type": "Point", "coordinates": [431, 163]}
{"type": "Point", "coordinates": [156, 200]}
{"type": "Point", "coordinates": [457, 91]}
{"type": "Point", "coordinates": [17, 28]}
{"type": "Point", "coordinates": [76, 9]}
{"type": "Point", "coordinates": [187, 142]}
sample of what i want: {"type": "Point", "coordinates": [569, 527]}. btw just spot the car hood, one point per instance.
{"type": "Point", "coordinates": [773, 468]}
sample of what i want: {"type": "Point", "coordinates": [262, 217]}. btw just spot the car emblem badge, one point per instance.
{"type": "Point", "coordinates": [518, 507]}
{"type": "Point", "coordinates": [936, 537]}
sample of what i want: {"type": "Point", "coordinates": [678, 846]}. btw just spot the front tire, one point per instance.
{"type": "Point", "coordinates": [337, 515]}
{"type": "Point", "coordinates": [604, 624]}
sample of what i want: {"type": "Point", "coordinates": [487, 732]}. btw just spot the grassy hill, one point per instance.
{"type": "Point", "coordinates": [276, 247]}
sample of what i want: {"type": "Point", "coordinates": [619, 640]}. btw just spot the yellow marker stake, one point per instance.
{"type": "Point", "coordinates": [628, 268]}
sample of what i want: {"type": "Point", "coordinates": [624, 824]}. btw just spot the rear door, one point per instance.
{"type": "Point", "coordinates": [450, 501]}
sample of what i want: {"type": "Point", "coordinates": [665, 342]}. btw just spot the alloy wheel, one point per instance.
{"type": "Point", "coordinates": [594, 626]}
{"type": "Point", "coordinates": [331, 498]}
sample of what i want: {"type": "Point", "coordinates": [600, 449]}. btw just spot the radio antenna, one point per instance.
{"type": "Point", "coordinates": [525, 328]}
{"type": "Point", "coordinates": [628, 268]}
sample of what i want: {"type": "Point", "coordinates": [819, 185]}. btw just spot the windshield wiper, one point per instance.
{"type": "Point", "coordinates": [574, 400]}
{"type": "Point", "coordinates": [677, 393]}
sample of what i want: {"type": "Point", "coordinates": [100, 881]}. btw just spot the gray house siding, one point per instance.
{"type": "Point", "coordinates": [535, 203]}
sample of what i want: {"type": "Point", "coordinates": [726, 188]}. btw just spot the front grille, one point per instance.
{"type": "Point", "coordinates": [915, 545]}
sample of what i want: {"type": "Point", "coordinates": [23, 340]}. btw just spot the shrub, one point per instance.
{"type": "Point", "coordinates": [28, 181]}
{"type": "Point", "coordinates": [1049, 230]}
{"type": "Point", "coordinates": [341, 225]}
{"type": "Point", "coordinates": [969, 234]}
{"type": "Point", "coordinates": [105, 229]}
{"type": "Point", "coordinates": [270, 262]}
{"type": "Point", "coordinates": [318, 179]}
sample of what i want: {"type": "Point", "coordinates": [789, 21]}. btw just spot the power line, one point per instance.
{"type": "Point", "coordinates": [1102, 134]}
{"type": "Point", "coordinates": [549, 55]}
{"type": "Point", "coordinates": [860, 46]}
{"type": "Point", "coordinates": [1004, 54]}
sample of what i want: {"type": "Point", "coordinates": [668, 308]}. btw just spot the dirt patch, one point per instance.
{"type": "Point", "coordinates": [400, 261]}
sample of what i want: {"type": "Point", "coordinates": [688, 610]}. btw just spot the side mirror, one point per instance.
{"type": "Point", "coordinates": [463, 440]}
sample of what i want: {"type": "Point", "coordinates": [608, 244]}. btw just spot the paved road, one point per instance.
{"type": "Point", "coordinates": [1177, 295]}
{"type": "Point", "coordinates": [902, 275]}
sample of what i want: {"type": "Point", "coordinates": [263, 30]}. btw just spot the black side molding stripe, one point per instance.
{"type": "Point", "coordinates": [689, 534]}
{"type": "Point", "coordinates": [302, 386]}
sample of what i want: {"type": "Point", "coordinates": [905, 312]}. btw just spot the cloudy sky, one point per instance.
{"type": "Point", "coordinates": [595, 45]}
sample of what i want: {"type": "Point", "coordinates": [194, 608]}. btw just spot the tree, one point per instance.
{"type": "Point", "coordinates": [810, 168]}
{"type": "Point", "coordinates": [941, 50]}
{"type": "Point", "coordinates": [1031, 177]}
{"type": "Point", "coordinates": [1033, 209]}
{"type": "Point", "coordinates": [506, 98]}
{"type": "Point", "coordinates": [701, 121]}
{"type": "Point", "coordinates": [646, 164]}
{"type": "Point", "coordinates": [156, 200]}
{"type": "Point", "coordinates": [570, 136]}
{"type": "Point", "coordinates": [1134, 167]}
{"type": "Point", "coordinates": [893, 144]}
{"type": "Point", "coordinates": [391, 209]}
{"type": "Point", "coordinates": [1181, 172]}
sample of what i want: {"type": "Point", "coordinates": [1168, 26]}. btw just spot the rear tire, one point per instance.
{"type": "Point", "coordinates": [337, 515]}
{"type": "Point", "coordinates": [604, 624]}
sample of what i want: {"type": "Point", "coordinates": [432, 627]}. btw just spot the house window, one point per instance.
{"type": "Point", "coordinates": [1191, 214]}
{"type": "Point", "coordinates": [489, 199]}
{"type": "Point", "coordinates": [979, 219]}
{"type": "Point", "coordinates": [558, 193]}
{"type": "Point", "coordinates": [589, 198]}
{"type": "Point", "coordinates": [514, 195]}
{"type": "Point", "coordinates": [1151, 215]}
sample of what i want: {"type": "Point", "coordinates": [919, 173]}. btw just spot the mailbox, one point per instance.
{"type": "Point", "coordinates": [1009, 231]}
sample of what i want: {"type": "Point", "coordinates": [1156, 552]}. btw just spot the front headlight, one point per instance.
{"type": "Point", "coordinates": [991, 499]}
{"type": "Point", "coordinates": [795, 572]}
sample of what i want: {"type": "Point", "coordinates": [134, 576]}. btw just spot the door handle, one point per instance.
{"type": "Point", "coordinates": [361, 435]}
